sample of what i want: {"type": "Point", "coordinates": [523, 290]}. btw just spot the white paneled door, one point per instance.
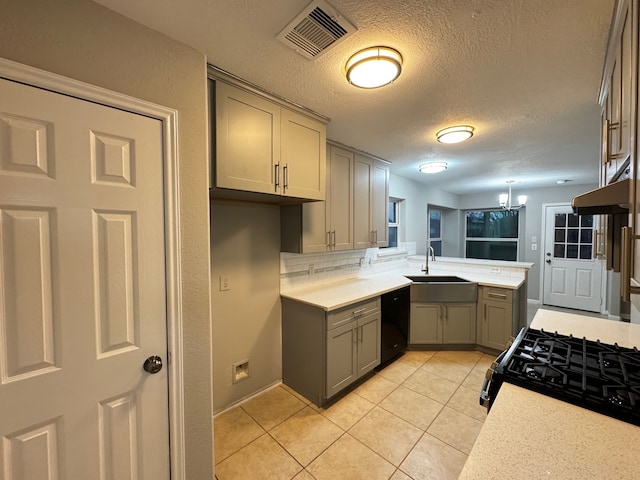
{"type": "Point", "coordinates": [572, 274]}
{"type": "Point", "coordinates": [82, 290]}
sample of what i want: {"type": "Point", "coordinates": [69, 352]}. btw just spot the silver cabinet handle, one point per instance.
{"type": "Point", "coordinates": [359, 312]}
{"type": "Point", "coordinates": [497, 295]}
{"type": "Point", "coordinates": [334, 239]}
{"type": "Point", "coordinates": [277, 174]}
{"type": "Point", "coordinates": [285, 171]}
{"type": "Point", "coordinates": [328, 238]}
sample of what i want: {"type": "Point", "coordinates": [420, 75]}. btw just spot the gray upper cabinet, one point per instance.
{"type": "Point", "coordinates": [261, 146]}
{"type": "Point", "coordinates": [371, 202]}
{"type": "Point", "coordinates": [356, 207]}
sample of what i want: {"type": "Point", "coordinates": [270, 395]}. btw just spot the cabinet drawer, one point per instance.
{"type": "Point", "coordinates": [498, 294]}
{"type": "Point", "coordinates": [343, 315]}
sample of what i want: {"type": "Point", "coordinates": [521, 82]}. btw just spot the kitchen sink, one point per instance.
{"type": "Point", "coordinates": [436, 279]}
{"type": "Point", "coordinates": [442, 289]}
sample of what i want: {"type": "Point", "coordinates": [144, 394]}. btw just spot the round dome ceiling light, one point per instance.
{"type": "Point", "coordinates": [456, 134]}
{"type": "Point", "coordinates": [373, 67]}
{"type": "Point", "coordinates": [433, 167]}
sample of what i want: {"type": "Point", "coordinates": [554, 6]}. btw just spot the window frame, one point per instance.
{"type": "Point", "coordinates": [510, 240]}
{"type": "Point", "coordinates": [438, 239]}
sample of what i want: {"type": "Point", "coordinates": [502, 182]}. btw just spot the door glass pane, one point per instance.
{"type": "Point", "coordinates": [560, 220]}
{"type": "Point", "coordinates": [572, 251]}
{"type": "Point", "coordinates": [585, 252]}
{"type": "Point", "coordinates": [586, 220]}
{"type": "Point", "coordinates": [586, 235]}
{"type": "Point", "coordinates": [560, 235]}
{"type": "Point", "coordinates": [572, 235]}
{"type": "Point", "coordinates": [573, 220]}
{"type": "Point", "coordinates": [558, 250]}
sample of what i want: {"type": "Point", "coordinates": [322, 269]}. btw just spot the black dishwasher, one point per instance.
{"type": "Point", "coordinates": [395, 324]}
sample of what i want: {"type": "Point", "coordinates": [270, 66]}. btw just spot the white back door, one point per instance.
{"type": "Point", "coordinates": [572, 277]}
{"type": "Point", "coordinates": [82, 290]}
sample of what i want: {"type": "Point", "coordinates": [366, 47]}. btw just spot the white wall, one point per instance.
{"type": "Point", "coordinates": [417, 197]}
{"type": "Point", "coordinates": [245, 248]}
{"type": "Point", "coordinates": [85, 41]}
{"type": "Point", "coordinates": [532, 220]}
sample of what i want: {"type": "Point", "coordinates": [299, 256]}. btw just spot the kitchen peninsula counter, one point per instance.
{"type": "Point", "coordinates": [529, 435]}
{"type": "Point", "coordinates": [339, 294]}
{"type": "Point", "coordinates": [334, 295]}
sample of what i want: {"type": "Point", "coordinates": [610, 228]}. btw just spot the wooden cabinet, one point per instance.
{"type": "Point", "coordinates": [324, 352]}
{"type": "Point", "coordinates": [356, 207]}
{"type": "Point", "coordinates": [323, 226]}
{"type": "Point", "coordinates": [497, 316]}
{"type": "Point", "coordinates": [617, 96]}
{"type": "Point", "coordinates": [442, 323]}
{"type": "Point", "coordinates": [262, 146]}
{"type": "Point", "coordinates": [371, 203]}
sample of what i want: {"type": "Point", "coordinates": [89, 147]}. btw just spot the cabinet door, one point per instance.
{"type": "Point", "coordinates": [380, 204]}
{"type": "Point", "coordinates": [315, 231]}
{"type": "Point", "coordinates": [496, 324]}
{"type": "Point", "coordinates": [340, 198]}
{"type": "Point", "coordinates": [303, 156]}
{"type": "Point", "coordinates": [362, 228]}
{"type": "Point", "coordinates": [247, 141]}
{"type": "Point", "coordinates": [342, 364]}
{"type": "Point", "coordinates": [459, 323]}
{"type": "Point", "coordinates": [368, 343]}
{"type": "Point", "coordinates": [626, 93]}
{"type": "Point", "coordinates": [425, 324]}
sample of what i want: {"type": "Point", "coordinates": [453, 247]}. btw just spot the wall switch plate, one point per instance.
{"type": "Point", "coordinates": [224, 283]}
{"type": "Point", "coordinates": [312, 269]}
{"type": "Point", "coordinates": [534, 246]}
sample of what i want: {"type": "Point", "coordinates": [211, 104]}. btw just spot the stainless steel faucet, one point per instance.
{"type": "Point", "coordinates": [433, 258]}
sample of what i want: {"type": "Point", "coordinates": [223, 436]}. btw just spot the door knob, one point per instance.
{"type": "Point", "coordinates": [153, 364]}
{"type": "Point", "coordinates": [548, 260]}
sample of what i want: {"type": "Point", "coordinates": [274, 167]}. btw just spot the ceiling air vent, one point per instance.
{"type": "Point", "coordinates": [316, 29]}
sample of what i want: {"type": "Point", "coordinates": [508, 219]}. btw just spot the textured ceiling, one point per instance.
{"type": "Point", "coordinates": [525, 73]}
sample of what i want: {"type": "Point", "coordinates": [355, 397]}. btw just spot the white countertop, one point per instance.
{"type": "Point", "coordinates": [340, 294]}
{"type": "Point", "coordinates": [529, 435]}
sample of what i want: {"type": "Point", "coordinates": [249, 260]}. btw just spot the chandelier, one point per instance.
{"type": "Point", "coordinates": [505, 199]}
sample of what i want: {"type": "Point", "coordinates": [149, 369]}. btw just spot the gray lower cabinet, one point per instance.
{"type": "Point", "coordinates": [442, 323]}
{"type": "Point", "coordinates": [498, 316]}
{"type": "Point", "coordinates": [324, 352]}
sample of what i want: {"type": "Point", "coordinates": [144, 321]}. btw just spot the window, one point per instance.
{"type": "Point", "coordinates": [573, 236]}
{"type": "Point", "coordinates": [492, 234]}
{"type": "Point", "coordinates": [393, 223]}
{"type": "Point", "coordinates": [435, 231]}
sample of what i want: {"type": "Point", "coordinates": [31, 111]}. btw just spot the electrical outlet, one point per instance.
{"type": "Point", "coordinates": [534, 246]}
{"type": "Point", "coordinates": [312, 269]}
{"type": "Point", "coordinates": [224, 283]}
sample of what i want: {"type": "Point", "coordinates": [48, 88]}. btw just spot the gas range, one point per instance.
{"type": "Point", "coordinates": [603, 378]}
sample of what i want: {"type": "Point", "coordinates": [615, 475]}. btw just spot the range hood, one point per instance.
{"type": "Point", "coordinates": [610, 199]}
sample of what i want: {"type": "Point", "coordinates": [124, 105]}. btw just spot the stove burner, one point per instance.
{"type": "Point", "coordinates": [540, 372]}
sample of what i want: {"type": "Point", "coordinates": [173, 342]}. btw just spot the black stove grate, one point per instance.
{"type": "Point", "coordinates": [604, 378]}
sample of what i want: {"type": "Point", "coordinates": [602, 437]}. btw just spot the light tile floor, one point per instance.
{"type": "Point", "coordinates": [416, 419]}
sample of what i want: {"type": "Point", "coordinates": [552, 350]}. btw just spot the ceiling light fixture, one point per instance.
{"type": "Point", "coordinates": [505, 199]}
{"type": "Point", "coordinates": [433, 167]}
{"type": "Point", "coordinates": [456, 134]}
{"type": "Point", "coordinates": [374, 67]}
